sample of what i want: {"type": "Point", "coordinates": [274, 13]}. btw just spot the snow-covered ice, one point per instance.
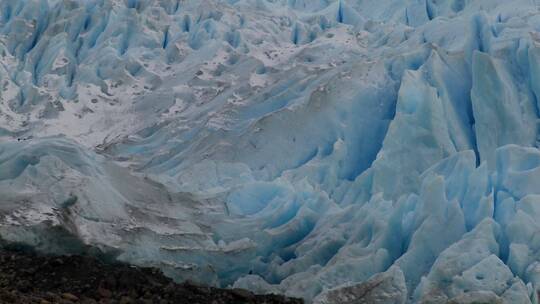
{"type": "Point", "coordinates": [343, 151]}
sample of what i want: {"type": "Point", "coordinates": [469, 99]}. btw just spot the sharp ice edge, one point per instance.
{"type": "Point", "coordinates": [383, 151]}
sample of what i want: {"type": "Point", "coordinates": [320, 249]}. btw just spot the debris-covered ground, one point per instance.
{"type": "Point", "coordinates": [28, 278]}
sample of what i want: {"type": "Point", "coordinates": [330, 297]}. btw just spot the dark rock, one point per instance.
{"type": "Point", "coordinates": [29, 278]}
{"type": "Point", "coordinates": [244, 294]}
{"type": "Point", "coordinates": [104, 293]}
{"type": "Point", "coordinates": [126, 300]}
{"type": "Point", "coordinates": [70, 296]}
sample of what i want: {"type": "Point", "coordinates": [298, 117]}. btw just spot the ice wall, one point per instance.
{"type": "Point", "coordinates": [361, 151]}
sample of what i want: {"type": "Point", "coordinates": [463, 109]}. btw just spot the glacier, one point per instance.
{"type": "Point", "coordinates": [342, 151]}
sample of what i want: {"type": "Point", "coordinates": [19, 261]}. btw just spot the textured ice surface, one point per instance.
{"type": "Point", "coordinates": [344, 151]}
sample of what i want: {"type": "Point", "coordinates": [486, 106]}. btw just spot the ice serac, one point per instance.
{"type": "Point", "coordinates": [336, 150]}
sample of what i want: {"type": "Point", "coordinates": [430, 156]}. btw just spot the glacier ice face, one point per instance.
{"type": "Point", "coordinates": [336, 150]}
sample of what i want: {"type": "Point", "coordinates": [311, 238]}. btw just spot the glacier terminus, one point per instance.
{"type": "Point", "coordinates": [341, 151]}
